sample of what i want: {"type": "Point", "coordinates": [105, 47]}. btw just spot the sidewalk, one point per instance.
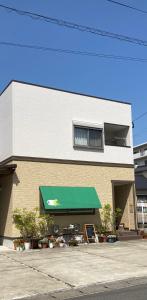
{"type": "Point", "coordinates": [3, 248]}
{"type": "Point", "coordinates": [24, 274]}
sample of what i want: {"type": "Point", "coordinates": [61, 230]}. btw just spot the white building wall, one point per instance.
{"type": "Point", "coordinates": [43, 124]}
{"type": "Point", "coordinates": [6, 124]}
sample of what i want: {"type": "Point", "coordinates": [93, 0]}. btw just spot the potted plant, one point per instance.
{"type": "Point", "coordinates": [44, 242]}
{"type": "Point", "coordinates": [109, 222]}
{"type": "Point", "coordinates": [32, 225]}
{"type": "Point", "coordinates": [73, 242]}
{"type": "Point", "coordinates": [52, 242]}
{"type": "Point", "coordinates": [25, 222]}
{"type": "Point", "coordinates": [60, 241]}
{"type": "Point", "coordinates": [27, 243]}
{"type": "Point", "coordinates": [111, 238]}
{"type": "Point", "coordinates": [18, 244]}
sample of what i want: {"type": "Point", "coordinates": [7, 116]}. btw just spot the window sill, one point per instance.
{"type": "Point", "coordinates": [118, 146]}
{"type": "Point", "coordinates": [86, 148]}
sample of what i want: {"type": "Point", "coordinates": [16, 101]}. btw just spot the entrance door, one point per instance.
{"type": "Point", "coordinates": [123, 198]}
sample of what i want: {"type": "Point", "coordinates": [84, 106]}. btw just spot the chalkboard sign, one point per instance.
{"type": "Point", "coordinates": [89, 232]}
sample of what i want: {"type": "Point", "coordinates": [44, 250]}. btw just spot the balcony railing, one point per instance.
{"type": "Point", "coordinates": [140, 154]}
{"type": "Point", "coordinates": [116, 141]}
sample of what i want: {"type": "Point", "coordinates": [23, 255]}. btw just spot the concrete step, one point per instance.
{"type": "Point", "coordinates": [129, 237]}
{"type": "Point", "coordinates": [128, 233]}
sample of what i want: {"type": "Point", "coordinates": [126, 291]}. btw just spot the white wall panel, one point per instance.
{"type": "Point", "coordinates": [6, 124]}
{"type": "Point", "coordinates": [43, 124]}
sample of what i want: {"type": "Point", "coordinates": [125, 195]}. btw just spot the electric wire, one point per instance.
{"type": "Point", "coordinates": [76, 26]}
{"type": "Point", "coordinates": [127, 6]}
{"type": "Point", "coordinates": [75, 52]}
{"type": "Point", "coordinates": [140, 116]}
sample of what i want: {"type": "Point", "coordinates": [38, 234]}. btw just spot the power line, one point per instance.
{"type": "Point", "coordinates": [127, 6]}
{"type": "Point", "coordinates": [76, 26]}
{"type": "Point", "coordinates": [75, 52]}
{"type": "Point", "coordinates": [140, 116]}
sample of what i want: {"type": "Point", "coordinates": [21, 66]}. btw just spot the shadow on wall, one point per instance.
{"type": "Point", "coordinates": [5, 205]}
{"type": "Point", "coordinates": [15, 179]}
{"type": "Point", "coordinates": [121, 200]}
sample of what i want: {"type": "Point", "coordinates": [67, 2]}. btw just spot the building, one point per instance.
{"type": "Point", "coordinates": [57, 145]}
{"type": "Point", "coordinates": [140, 155]}
{"type": "Point", "coordinates": [140, 161]}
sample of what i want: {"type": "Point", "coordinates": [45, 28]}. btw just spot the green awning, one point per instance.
{"type": "Point", "coordinates": [59, 197]}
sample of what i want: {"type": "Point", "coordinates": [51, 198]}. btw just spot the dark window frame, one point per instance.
{"type": "Point", "coordinates": [88, 146]}
{"type": "Point", "coordinates": [120, 125]}
{"type": "Point", "coordinates": [61, 212]}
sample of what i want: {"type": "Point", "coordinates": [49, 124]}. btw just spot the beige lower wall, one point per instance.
{"type": "Point", "coordinates": [30, 175]}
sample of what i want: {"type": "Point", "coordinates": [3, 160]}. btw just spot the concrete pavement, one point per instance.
{"type": "Point", "coordinates": [24, 274]}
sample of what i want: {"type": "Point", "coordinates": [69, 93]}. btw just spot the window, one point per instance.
{"type": "Point", "coordinates": [116, 135]}
{"type": "Point", "coordinates": [142, 152]}
{"type": "Point", "coordinates": [139, 208]}
{"type": "Point", "coordinates": [145, 209]}
{"type": "Point", "coordinates": [142, 198]}
{"type": "Point", "coordinates": [87, 137]}
{"type": "Point", "coordinates": [82, 211]}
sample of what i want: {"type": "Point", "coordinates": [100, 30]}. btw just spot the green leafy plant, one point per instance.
{"type": "Point", "coordinates": [109, 219]}
{"type": "Point", "coordinates": [24, 221]}
{"type": "Point", "coordinates": [30, 223]}
{"type": "Point", "coordinates": [44, 221]}
{"type": "Point", "coordinates": [115, 218]}
{"type": "Point", "coordinates": [18, 243]}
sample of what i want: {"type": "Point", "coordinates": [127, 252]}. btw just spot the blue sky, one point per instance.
{"type": "Point", "coordinates": [108, 78]}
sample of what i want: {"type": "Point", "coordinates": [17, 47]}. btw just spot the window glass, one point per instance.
{"type": "Point", "coordinates": [139, 208]}
{"type": "Point", "coordinates": [145, 209]}
{"type": "Point", "coordinates": [81, 136]}
{"type": "Point", "coordinates": [116, 135]}
{"type": "Point", "coordinates": [88, 137]}
{"type": "Point", "coordinates": [142, 198]}
{"type": "Point", "coordinates": [95, 138]}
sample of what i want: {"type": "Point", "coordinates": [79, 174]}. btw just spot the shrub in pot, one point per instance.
{"type": "Point", "coordinates": [31, 224]}
{"type": "Point", "coordinates": [109, 219]}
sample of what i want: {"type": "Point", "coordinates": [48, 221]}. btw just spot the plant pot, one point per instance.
{"type": "Point", "coordinates": [51, 245]}
{"type": "Point", "coordinates": [105, 238]}
{"type": "Point", "coordinates": [44, 245]}
{"type": "Point", "coordinates": [61, 245]}
{"type": "Point", "coordinates": [34, 243]}
{"type": "Point", "coordinates": [39, 245]}
{"type": "Point", "coordinates": [14, 247]}
{"type": "Point", "coordinates": [101, 239]}
{"type": "Point", "coordinates": [111, 239]}
{"type": "Point", "coordinates": [27, 245]}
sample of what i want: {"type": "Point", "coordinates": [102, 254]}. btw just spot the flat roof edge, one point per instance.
{"type": "Point", "coordinates": [140, 145]}
{"type": "Point", "coordinates": [62, 90]}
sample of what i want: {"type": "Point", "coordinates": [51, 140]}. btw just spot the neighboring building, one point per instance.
{"type": "Point", "coordinates": [54, 146]}
{"type": "Point", "coordinates": [140, 155]}
{"type": "Point", "coordinates": [140, 161]}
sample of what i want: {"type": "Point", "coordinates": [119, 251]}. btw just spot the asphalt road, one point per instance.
{"type": "Point", "coordinates": [131, 293]}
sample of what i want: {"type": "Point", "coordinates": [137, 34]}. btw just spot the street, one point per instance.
{"type": "Point", "coordinates": [137, 292]}
{"type": "Point", "coordinates": [131, 293]}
